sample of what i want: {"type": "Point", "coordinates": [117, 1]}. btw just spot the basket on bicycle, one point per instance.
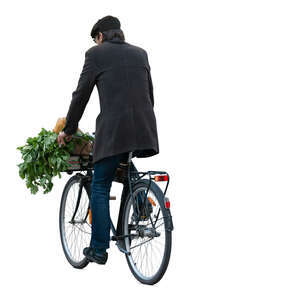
{"type": "Point", "coordinates": [82, 153]}
{"type": "Point", "coordinates": [81, 156]}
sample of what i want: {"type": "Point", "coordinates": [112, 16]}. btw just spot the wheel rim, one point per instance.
{"type": "Point", "coordinates": [77, 235]}
{"type": "Point", "coordinates": [147, 254]}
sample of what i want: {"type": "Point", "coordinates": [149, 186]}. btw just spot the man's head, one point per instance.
{"type": "Point", "coordinates": [106, 28]}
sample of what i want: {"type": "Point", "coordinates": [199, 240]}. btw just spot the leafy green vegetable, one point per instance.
{"type": "Point", "coordinates": [43, 159]}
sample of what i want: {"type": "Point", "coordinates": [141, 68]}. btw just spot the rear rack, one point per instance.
{"type": "Point", "coordinates": [139, 175]}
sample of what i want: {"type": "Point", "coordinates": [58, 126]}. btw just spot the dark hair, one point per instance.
{"type": "Point", "coordinates": [112, 33]}
{"type": "Point", "coordinates": [105, 24]}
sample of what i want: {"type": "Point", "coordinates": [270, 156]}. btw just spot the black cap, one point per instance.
{"type": "Point", "coordinates": [104, 24]}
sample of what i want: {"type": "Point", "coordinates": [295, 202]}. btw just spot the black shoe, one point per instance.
{"type": "Point", "coordinates": [93, 256]}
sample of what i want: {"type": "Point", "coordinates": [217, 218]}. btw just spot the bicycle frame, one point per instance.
{"type": "Point", "coordinates": [133, 177]}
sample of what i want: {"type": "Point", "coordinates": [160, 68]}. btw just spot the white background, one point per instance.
{"type": "Point", "coordinates": [226, 87]}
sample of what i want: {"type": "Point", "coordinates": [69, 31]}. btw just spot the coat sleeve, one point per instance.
{"type": "Point", "coordinates": [81, 95]}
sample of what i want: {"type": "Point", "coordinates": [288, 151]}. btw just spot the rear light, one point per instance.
{"type": "Point", "coordinates": [161, 178]}
{"type": "Point", "coordinates": [167, 202]}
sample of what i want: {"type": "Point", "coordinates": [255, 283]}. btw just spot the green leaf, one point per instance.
{"type": "Point", "coordinates": [43, 159]}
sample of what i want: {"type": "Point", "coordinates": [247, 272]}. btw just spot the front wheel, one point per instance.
{"type": "Point", "coordinates": [149, 241]}
{"type": "Point", "coordinates": [75, 229]}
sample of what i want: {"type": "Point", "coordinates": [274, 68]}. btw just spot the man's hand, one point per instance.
{"type": "Point", "coordinates": [61, 137]}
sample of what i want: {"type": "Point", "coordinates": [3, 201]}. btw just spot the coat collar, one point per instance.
{"type": "Point", "coordinates": [115, 40]}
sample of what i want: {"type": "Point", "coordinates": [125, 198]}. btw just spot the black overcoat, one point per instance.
{"type": "Point", "coordinates": [127, 121]}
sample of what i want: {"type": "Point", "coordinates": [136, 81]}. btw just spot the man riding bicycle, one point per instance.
{"type": "Point", "coordinates": [127, 122]}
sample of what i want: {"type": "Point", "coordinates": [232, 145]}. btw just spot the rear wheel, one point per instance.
{"type": "Point", "coordinates": [75, 234]}
{"type": "Point", "coordinates": [149, 242]}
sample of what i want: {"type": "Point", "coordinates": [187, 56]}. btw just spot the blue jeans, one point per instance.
{"type": "Point", "coordinates": [104, 171]}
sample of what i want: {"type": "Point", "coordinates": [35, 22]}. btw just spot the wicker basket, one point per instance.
{"type": "Point", "coordinates": [85, 148]}
{"type": "Point", "coordinates": [78, 163]}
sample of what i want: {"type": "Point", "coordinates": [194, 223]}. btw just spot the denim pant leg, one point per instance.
{"type": "Point", "coordinates": [103, 176]}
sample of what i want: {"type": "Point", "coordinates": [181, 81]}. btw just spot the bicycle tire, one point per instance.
{"type": "Point", "coordinates": [73, 180]}
{"type": "Point", "coordinates": [155, 189]}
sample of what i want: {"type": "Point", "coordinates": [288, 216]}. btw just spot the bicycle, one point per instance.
{"type": "Point", "coordinates": [144, 226]}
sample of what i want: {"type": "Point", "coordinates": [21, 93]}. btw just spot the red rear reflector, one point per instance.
{"type": "Point", "coordinates": [161, 178]}
{"type": "Point", "coordinates": [167, 203]}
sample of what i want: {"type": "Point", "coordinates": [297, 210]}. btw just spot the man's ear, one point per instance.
{"type": "Point", "coordinates": [100, 36]}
